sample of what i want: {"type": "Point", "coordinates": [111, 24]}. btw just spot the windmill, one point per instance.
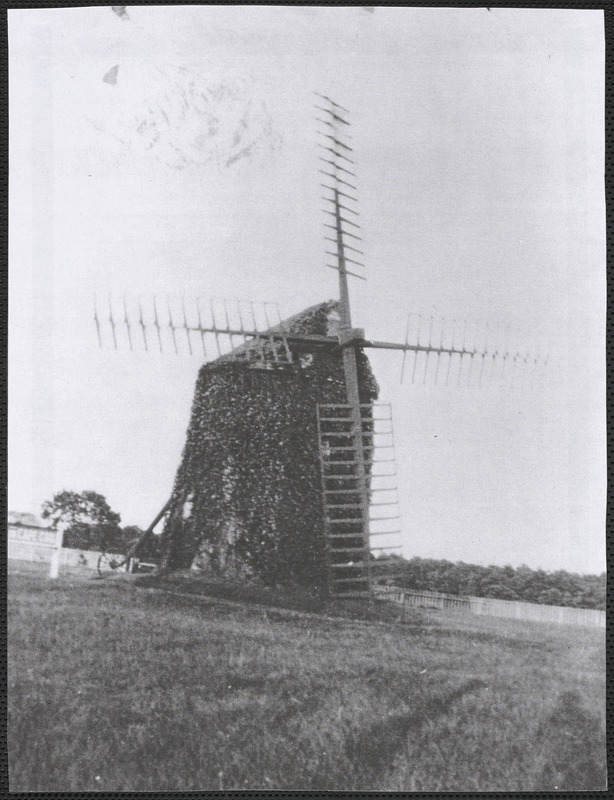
{"type": "Point", "coordinates": [353, 435]}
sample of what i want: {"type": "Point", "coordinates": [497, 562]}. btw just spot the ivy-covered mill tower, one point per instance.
{"type": "Point", "coordinates": [280, 474]}
{"type": "Point", "coordinates": [248, 491]}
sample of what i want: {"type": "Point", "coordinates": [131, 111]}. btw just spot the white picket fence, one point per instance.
{"type": "Point", "coordinates": [489, 606]}
{"type": "Point", "coordinates": [36, 543]}
{"type": "Point", "coordinates": [67, 556]}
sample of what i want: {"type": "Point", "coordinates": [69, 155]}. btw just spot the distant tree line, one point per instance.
{"type": "Point", "coordinates": [90, 524]}
{"type": "Point", "coordinates": [558, 588]}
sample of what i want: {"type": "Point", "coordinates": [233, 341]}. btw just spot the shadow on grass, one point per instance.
{"type": "Point", "coordinates": [571, 748]}
{"type": "Point", "coordinates": [372, 750]}
{"type": "Point", "coordinates": [291, 598]}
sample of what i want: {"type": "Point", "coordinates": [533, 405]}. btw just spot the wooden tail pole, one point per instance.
{"type": "Point", "coordinates": [147, 533]}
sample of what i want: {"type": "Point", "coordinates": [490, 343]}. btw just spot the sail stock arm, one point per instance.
{"type": "Point", "coordinates": [418, 348]}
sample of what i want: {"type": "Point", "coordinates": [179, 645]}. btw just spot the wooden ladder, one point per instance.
{"type": "Point", "coordinates": [350, 518]}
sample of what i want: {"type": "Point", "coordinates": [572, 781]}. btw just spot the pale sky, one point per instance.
{"type": "Point", "coordinates": [479, 142]}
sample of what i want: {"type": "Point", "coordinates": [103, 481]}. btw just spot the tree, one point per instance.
{"type": "Point", "coordinates": [87, 519]}
{"type": "Point", "coordinates": [551, 596]}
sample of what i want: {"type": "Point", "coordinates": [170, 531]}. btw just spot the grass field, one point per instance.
{"type": "Point", "coordinates": [113, 687]}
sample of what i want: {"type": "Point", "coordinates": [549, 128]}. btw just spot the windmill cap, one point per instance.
{"type": "Point", "coordinates": [314, 320]}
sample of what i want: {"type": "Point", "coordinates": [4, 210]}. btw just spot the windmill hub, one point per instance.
{"type": "Point", "coordinates": [351, 336]}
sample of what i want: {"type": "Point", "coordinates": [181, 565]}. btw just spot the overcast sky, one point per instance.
{"type": "Point", "coordinates": [172, 150]}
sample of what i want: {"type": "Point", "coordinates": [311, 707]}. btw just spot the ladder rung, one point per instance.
{"type": "Point", "coordinates": [366, 431]}
{"type": "Point", "coordinates": [363, 420]}
{"type": "Point", "coordinates": [345, 535]}
{"type": "Point", "coordinates": [347, 505]}
{"type": "Point", "coordinates": [356, 520]}
{"type": "Point", "coordinates": [381, 519]}
{"type": "Point", "coordinates": [325, 435]}
{"type": "Point", "coordinates": [367, 476]}
{"type": "Point", "coordinates": [349, 455]}
{"type": "Point", "coordinates": [383, 533]}
{"type": "Point", "coordinates": [350, 565]}
{"type": "Point", "coordinates": [349, 550]}
{"type": "Point", "coordinates": [388, 503]}
{"type": "Point", "coordinates": [334, 476]}
{"type": "Point", "coordinates": [358, 478]}
{"type": "Point", "coordinates": [348, 406]}
{"type": "Point", "coordinates": [353, 459]}
{"type": "Point", "coordinates": [352, 447]}
{"type": "Point", "coordinates": [356, 491]}
{"type": "Point", "coordinates": [365, 461]}
{"type": "Point", "coordinates": [328, 435]}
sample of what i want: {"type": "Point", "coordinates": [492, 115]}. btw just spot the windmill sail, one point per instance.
{"type": "Point", "coordinates": [207, 329]}
{"type": "Point", "coordinates": [337, 166]}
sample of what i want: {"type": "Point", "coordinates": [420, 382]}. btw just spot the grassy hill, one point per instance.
{"type": "Point", "coordinates": [113, 687]}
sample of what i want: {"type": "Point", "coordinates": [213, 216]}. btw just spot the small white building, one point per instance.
{"type": "Point", "coordinates": [28, 537]}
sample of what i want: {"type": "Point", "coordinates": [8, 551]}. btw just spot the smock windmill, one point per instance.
{"type": "Point", "coordinates": [288, 468]}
